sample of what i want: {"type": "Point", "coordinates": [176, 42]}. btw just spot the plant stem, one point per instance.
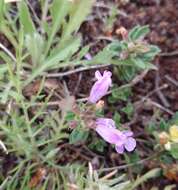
{"type": "Point", "coordinates": [132, 164]}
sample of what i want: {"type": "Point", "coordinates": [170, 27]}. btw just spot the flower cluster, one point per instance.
{"type": "Point", "coordinates": [105, 127]}
{"type": "Point", "coordinates": [167, 139]}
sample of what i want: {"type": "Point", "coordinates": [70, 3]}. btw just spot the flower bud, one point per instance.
{"type": "Point", "coordinates": [73, 124]}
{"type": "Point", "coordinates": [100, 105]}
{"type": "Point", "coordinates": [101, 86]}
{"type": "Point", "coordinates": [167, 146]}
{"type": "Point", "coordinates": [123, 32]}
{"type": "Point", "coordinates": [163, 138]}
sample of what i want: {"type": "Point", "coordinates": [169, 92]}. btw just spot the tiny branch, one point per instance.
{"type": "Point", "coordinates": [159, 92]}
{"type": "Point", "coordinates": [149, 101]}
{"type": "Point", "coordinates": [122, 167]}
{"type": "Point", "coordinates": [169, 54]}
{"type": "Point", "coordinates": [7, 52]}
{"type": "Point", "coordinates": [173, 81]}
{"type": "Point", "coordinates": [62, 74]}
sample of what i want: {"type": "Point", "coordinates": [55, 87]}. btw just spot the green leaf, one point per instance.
{"type": "Point", "coordinates": [59, 10]}
{"type": "Point", "coordinates": [6, 58]}
{"type": "Point", "coordinates": [174, 120]}
{"type": "Point", "coordinates": [141, 64]}
{"type": "Point", "coordinates": [174, 150]}
{"type": "Point", "coordinates": [134, 158]}
{"type": "Point", "coordinates": [150, 55]}
{"type": "Point", "coordinates": [151, 127]}
{"type": "Point", "coordinates": [98, 144]}
{"type": "Point", "coordinates": [5, 94]}
{"type": "Point", "coordinates": [112, 18]}
{"type": "Point", "coordinates": [138, 32]}
{"type": "Point", "coordinates": [121, 94]}
{"type": "Point", "coordinates": [9, 34]}
{"type": "Point", "coordinates": [70, 116]}
{"type": "Point", "coordinates": [151, 174]}
{"type": "Point", "coordinates": [3, 69]}
{"type": "Point", "coordinates": [117, 119]}
{"type": "Point", "coordinates": [35, 45]}
{"type": "Point", "coordinates": [53, 61]}
{"type": "Point", "coordinates": [52, 153]}
{"type": "Point", "coordinates": [83, 52]}
{"type": "Point", "coordinates": [79, 11]}
{"type": "Point", "coordinates": [25, 18]}
{"type": "Point", "coordinates": [1, 10]}
{"type": "Point", "coordinates": [66, 51]}
{"type": "Point", "coordinates": [115, 46]}
{"type": "Point", "coordinates": [129, 109]}
{"type": "Point", "coordinates": [163, 125]}
{"type": "Point", "coordinates": [78, 135]}
{"type": "Point", "coordinates": [166, 158]}
{"type": "Point", "coordinates": [104, 56]}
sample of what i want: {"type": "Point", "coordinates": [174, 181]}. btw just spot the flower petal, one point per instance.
{"type": "Point", "coordinates": [98, 90]}
{"type": "Point", "coordinates": [128, 133]}
{"type": "Point", "coordinates": [173, 131]}
{"type": "Point", "coordinates": [106, 121]}
{"type": "Point", "coordinates": [88, 56]}
{"type": "Point", "coordinates": [100, 87]}
{"type": "Point", "coordinates": [107, 133]}
{"type": "Point", "coordinates": [120, 149]}
{"type": "Point", "coordinates": [130, 144]}
{"type": "Point", "coordinates": [98, 75]}
{"type": "Point", "coordinates": [107, 74]}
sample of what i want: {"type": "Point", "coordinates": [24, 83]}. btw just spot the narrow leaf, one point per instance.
{"type": "Point", "coordinates": [63, 53]}
{"type": "Point", "coordinates": [53, 61]}
{"type": "Point", "coordinates": [151, 174]}
{"type": "Point", "coordinates": [78, 135]}
{"type": "Point", "coordinates": [59, 10]}
{"type": "Point", "coordinates": [25, 18]}
{"type": "Point", "coordinates": [1, 10]}
{"type": "Point", "coordinates": [138, 31]}
{"type": "Point", "coordinates": [35, 44]}
{"type": "Point", "coordinates": [78, 14]}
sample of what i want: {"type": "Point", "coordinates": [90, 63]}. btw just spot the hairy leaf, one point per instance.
{"type": "Point", "coordinates": [80, 9]}
{"type": "Point", "coordinates": [138, 32]}
{"type": "Point", "coordinates": [25, 18]}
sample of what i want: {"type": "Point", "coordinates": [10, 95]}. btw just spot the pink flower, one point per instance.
{"type": "Point", "coordinates": [101, 86]}
{"type": "Point", "coordinates": [128, 142]}
{"type": "Point", "coordinates": [121, 139]}
{"type": "Point", "coordinates": [88, 56]}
